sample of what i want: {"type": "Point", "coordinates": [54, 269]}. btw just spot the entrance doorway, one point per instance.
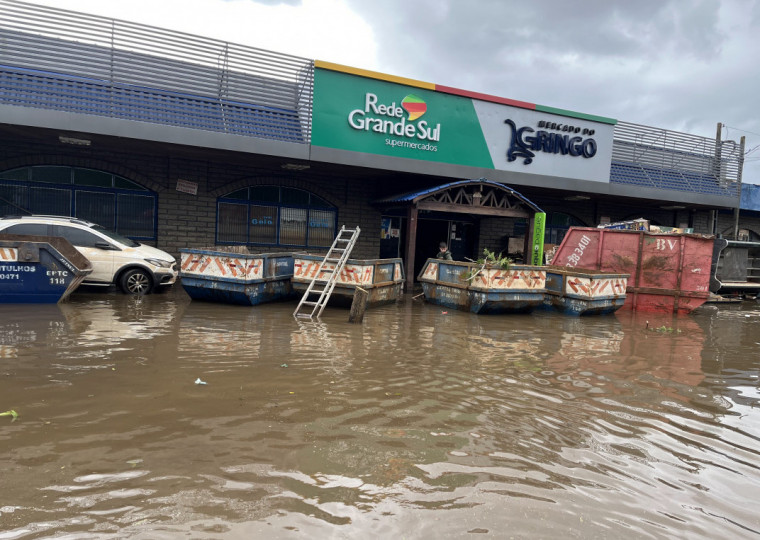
{"type": "Point", "coordinates": [470, 199]}
{"type": "Point", "coordinates": [460, 236]}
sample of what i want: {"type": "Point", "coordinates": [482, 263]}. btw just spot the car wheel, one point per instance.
{"type": "Point", "coordinates": [135, 281]}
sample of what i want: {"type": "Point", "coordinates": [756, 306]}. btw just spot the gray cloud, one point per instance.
{"type": "Point", "coordinates": [681, 65]}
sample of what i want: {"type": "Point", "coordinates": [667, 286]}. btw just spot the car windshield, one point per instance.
{"type": "Point", "coordinates": [119, 238]}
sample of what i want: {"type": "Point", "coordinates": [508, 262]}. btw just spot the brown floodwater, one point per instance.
{"type": "Point", "coordinates": [421, 422]}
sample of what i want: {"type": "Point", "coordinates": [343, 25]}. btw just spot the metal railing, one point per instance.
{"type": "Point", "coordinates": [64, 60]}
{"type": "Point", "coordinates": [690, 159]}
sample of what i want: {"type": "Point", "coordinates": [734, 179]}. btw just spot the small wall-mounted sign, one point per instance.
{"type": "Point", "coordinates": [187, 187]}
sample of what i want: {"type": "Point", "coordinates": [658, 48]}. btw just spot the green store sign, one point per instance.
{"type": "Point", "coordinates": [379, 117]}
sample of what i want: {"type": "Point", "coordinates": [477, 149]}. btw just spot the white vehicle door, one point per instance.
{"type": "Point", "coordinates": [98, 251]}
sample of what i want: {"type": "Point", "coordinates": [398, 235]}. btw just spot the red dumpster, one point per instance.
{"type": "Point", "coordinates": [668, 272]}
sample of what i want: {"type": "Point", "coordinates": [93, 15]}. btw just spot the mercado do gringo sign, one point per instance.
{"type": "Point", "coordinates": [383, 117]}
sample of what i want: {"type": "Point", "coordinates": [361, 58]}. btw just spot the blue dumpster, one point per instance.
{"type": "Point", "coordinates": [230, 277]}
{"type": "Point", "coordinates": [39, 269]}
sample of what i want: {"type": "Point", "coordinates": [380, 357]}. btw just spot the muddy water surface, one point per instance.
{"type": "Point", "coordinates": [420, 423]}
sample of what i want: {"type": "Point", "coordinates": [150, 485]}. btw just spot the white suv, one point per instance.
{"type": "Point", "coordinates": [134, 267]}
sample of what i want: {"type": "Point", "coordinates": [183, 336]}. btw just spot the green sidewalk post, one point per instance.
{"type": "Point", "coordinates": [539, 226]}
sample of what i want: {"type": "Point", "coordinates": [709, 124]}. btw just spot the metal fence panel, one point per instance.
{"type": "Point", "coordinates": [63, 60]}
{"type": "Point", "coordinates": [674, 160]}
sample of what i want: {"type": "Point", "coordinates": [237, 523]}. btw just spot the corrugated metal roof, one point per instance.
{"type": "Point", "coordinates": [406, 199]}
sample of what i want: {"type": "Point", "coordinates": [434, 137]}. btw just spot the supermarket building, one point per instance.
{"type": "Point", "coordinates": [183, 141]}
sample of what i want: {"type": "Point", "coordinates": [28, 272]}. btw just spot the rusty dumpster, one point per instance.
{"type": "Point", "coordinates": [668, 272]}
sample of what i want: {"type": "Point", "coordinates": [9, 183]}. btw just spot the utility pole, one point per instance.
{"type": "Point", "coordinates": [717, 156]}
{"type": "Point", "coordinates": [739, 189]}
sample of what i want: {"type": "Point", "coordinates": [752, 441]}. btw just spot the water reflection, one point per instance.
{"type": "Point", "coordinates": [417, 421]}
{"type": "Point", "coordinates": [114, 319]}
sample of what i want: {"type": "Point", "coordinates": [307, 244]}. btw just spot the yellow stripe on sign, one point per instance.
{"type": "Point", "coordinates": [373, 75]}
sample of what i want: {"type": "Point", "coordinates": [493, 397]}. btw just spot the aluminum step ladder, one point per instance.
{"type": "Point", "coordinates": [336, 258]}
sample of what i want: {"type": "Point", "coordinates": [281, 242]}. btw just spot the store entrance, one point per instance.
{"type": "Point", "coordinates": [459, 235]}
{"type": "Point", "coordinates": [452, 213]}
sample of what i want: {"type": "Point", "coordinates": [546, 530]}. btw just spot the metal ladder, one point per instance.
{"type": "Point", "coordinates": [337, 255]}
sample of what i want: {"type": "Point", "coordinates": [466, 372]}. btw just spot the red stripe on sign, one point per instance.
{"type": "Point", "coordinates": [485, 97]}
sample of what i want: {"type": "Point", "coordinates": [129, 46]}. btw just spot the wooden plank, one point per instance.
{"type": "Point", "coordinates": [411, 245]}
{"type": "Point", "coordinates": [358, 305]}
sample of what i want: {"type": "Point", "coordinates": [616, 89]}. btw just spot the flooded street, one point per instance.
{"type": "Point", "coordinates": [421, 422]}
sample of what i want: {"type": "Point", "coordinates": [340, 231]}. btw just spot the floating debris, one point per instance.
{"type": "Point", "coordinates": [12, 413]}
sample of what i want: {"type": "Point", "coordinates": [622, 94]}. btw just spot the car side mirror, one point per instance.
{"type": "Point", "coordinates": [104, 245]}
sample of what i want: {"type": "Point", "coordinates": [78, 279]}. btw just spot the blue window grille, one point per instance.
{"type": "Point", "coordinates": [275, 216]}
{"type": "Point", "coordinates": [111, 201]}
{"type": "Point", "coordinates": [557, 225]}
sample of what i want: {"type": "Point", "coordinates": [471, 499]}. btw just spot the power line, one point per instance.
{"type": "Point", "coordinates": [743, 130]}
{"type": "Point", "coordinates": [747, 152]}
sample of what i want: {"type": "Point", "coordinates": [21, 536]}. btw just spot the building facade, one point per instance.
{"type": "Point", "coordinates": [182, 141]}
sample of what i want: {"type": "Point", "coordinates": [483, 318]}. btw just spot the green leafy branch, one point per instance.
{"type": "Point", "coordinates": [490, 260]}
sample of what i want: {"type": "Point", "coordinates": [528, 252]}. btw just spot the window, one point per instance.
{"type": "Point", "coordinates": [52, 175]}
{"type": "Point", "coordinates": [293, 226]}
{"type": "Point", "coordinates": [231, 223]}
{"type": "Point", "coordinates": [98, 196]}
{"type": "Point", "coordinates": [78, 237]}
{"type": "Point", "coordinates": [263, 224]}
{"type": "Point", "coordinates": [34, 229]}
{"type": "Point", "coordinates": [49, 201]}
{"type": "Point", "coordinates": [12, 199]}
{"type": "Point", "coordinates": [275, 216]}
{"type": "Point", "coordinates": [321, 228]}
{"type": "Point", "coordinates": [15, 174]}
{"type": "Point", "coordinates": [137, 215]}
{"type": "Point", "coordinates": [97, 207]}
{"type": "Point", "coordinates": [87, 177]}
{"type": "Point", "coordinates": [557, 224]}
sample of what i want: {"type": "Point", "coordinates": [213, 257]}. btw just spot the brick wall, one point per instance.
{"type": "Point", "coordinates": [494, 233]}
{"type": "Point", "coordinates": [186, 220]}
{"type": "Point", "coordinates": [748, 220]}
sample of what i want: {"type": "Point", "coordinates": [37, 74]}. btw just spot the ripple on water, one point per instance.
{"type": "Point", "coordinates": [416, 420]}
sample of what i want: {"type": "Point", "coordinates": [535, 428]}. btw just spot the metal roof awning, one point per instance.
{"type": "Point", "coordinates": [480, 196]}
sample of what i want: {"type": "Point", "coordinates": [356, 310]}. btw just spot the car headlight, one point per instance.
{"type": "Point", "coordinates": [159, 262]}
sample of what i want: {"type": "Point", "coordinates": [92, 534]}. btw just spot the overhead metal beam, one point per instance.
{"type": "Point", "coordinates": [472, 209]}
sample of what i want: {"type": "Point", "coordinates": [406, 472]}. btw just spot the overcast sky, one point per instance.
{"type": "Point", "coordinates": [684, 65]}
